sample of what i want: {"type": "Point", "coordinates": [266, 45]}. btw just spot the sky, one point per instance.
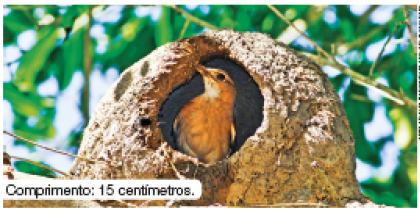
{"type": "Point", "coordinates": [68, 116]}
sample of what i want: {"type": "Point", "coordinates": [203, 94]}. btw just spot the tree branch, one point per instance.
{"type": "Point", "coordinates": [358, 78]}
{"type": "Point", "coordinates": [51, 149]}
{"type": "Point", "coordinates": [193, 18]}
{"type": "Point", "coordinates": [391, 94]}
{"type": "Point", "coordinates": [362, 41]}
{"type": "Point", "coordinates": [187, 21]}
{"type": "Point", "coordinates": [382, 50]}
{"type": "Point", "coordinates": [87, 66]}
{"type": "Point", "coordinates": [410, 29]}
{"type": "Point", "coordinates": [412, 7]}
{"type": "Point", "coordinates": [40, 165]}
{"type": "Point", "coordinates": [368, 12]}
{"type": "Point", "coordinates": [319, 49]}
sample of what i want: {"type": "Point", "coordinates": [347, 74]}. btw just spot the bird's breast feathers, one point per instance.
{"type": "Point", "coordinates": [210, 123]}
{"type": "Point", "coordinates": [212, 90]}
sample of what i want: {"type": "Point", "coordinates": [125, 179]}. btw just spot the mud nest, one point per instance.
{"type": "Point", "coordinates": [302, 121]}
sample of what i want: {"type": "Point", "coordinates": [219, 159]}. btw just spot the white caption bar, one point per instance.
{"type": "Point", "coordinates": [102, 189]}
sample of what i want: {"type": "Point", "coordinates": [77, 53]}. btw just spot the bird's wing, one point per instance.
{"type": "Point", "coordinates": [175, 125]}
{"type": "Point", "coordinates": [232, 133]}
{"type": "Point", "coordinates": [232, 139]}
{"type": "Point", "coordinates": [174, 131]}
{"type": "Point", "coordinates": [181, 143]}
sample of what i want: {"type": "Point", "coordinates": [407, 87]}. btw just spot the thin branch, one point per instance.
{"type": "Point", "coordinates": [173, 167]}
{"type": "Point", "coordinates": [301, 33]}
{"type": "Point", "coordinates": [400, 40]}
{"type": "Point", "coordinates": [29, 7]}
{"type": "Point", "coordinates": [87, 66]}
{"type": "Point", "coordinates": [410, 29]}
{"type": "Point", "coordinates": [51, 149]}
{"type": "Point", "coordinates": [361, 98]}
{"type": "Point", "coordinates": [382, 50]}
{"type": "Point", "coordinates": [187, 21]}
{"type": "Point", "coordinates": [412, 7]}
{"type": "Point", "coordinates": [176, 170]}
{"type": "Point", "coordinates": [363, 40]}
{"type": "Point", "coordinates": [40, 165]}
{"type": "Point", "coordinates": [367, 13]}
{"type": "Point", "coordinates": [367, 100]}
{"type": "Point", "coordinates": [193, 18]}
{"type": "Point", "coordinates": [358, 78]}
{"type": "Point", "coordinates": [333, 50]}
{"type": "Point", "coordinates": [39, 145]}
{"type": "Point", "coordinates": [391, 94]}
{"type": "Point", "coordinates": [315, 13]}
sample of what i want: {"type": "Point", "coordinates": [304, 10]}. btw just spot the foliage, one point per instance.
{"type": "Point", "coordinates": [29, 168]}
{"type": "Point", "coordinates": [137, 30]}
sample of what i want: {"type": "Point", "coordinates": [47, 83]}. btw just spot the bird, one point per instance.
{"type": "Point", "coordinates": [205, 127]}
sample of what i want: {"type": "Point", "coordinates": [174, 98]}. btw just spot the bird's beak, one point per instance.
{"type": "Point", "coordinates": [203, 71]}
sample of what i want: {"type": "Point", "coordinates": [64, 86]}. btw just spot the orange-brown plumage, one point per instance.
{"type": "Point", "coordinates": [204, 127]}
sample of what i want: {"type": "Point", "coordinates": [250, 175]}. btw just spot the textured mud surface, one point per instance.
{"type": "Point", "coordinates": [302, 121]}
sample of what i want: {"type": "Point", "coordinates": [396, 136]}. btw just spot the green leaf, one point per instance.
{"type": "Point", "coordinates": [227, 23]}
{"type": "Point", "coordinates": [129, 31]}
{"type": "Point", "coordinates": [338, 81]}
{"type": "Point", "coordinates": [17, 21]}
{"type": "Point", "coordinates": [72, 13]}
{"type": "Point", "coordinates": [21, 128]}
{"type": "Point", "coordinates": [132, 52]}
{"type": "Point", "coordinates": [29, 168]}
{"type": "Point", "coordinates": [33, 61]}
{"type": "Point", "coordinates": [347, 30]}
{"type": "Point", "coordinates": [226, 13]}
{"type": "Point", "coordinates": [72, 52]}
{"type": "Point", "coordinates": [54, 63]}
{"type": "Point", "coordinates": [8, 36]}
{"type": "Point", "coordinates": [45, 126]}
{"type": "Point", "coordinates": [268, 23]}
{"type": "Point", "coordinates": [58, 67]}
{"type": "Point", "coordinates": [42, 129]}
{"type": "Point", "coordinates": [243, 21]}
{"type": "Point", "coordinates": [23, 104]}
{"type": "Point", "coordinates": [75, 137]}
{"type": "Point", "coordinates": [163, 28]}
{"type": "Point", "coordinates": [384, 194]}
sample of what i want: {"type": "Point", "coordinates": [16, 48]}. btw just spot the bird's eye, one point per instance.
{"type": "Point", "coordinates": [220, 77]}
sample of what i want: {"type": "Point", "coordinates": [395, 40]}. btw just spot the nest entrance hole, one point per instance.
{"type": "Point", "coordinates": [248, 107]}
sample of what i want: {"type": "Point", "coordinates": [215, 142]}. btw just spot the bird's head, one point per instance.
{"type": "Point", "coordinates": [217, 83]}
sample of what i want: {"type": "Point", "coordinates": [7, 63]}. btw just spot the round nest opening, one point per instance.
{"type": "Point", "coordinates": [248, 110]}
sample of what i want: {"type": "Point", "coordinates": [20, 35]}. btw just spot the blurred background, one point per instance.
{"type": "Point", "coordinates": [58, 61]}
